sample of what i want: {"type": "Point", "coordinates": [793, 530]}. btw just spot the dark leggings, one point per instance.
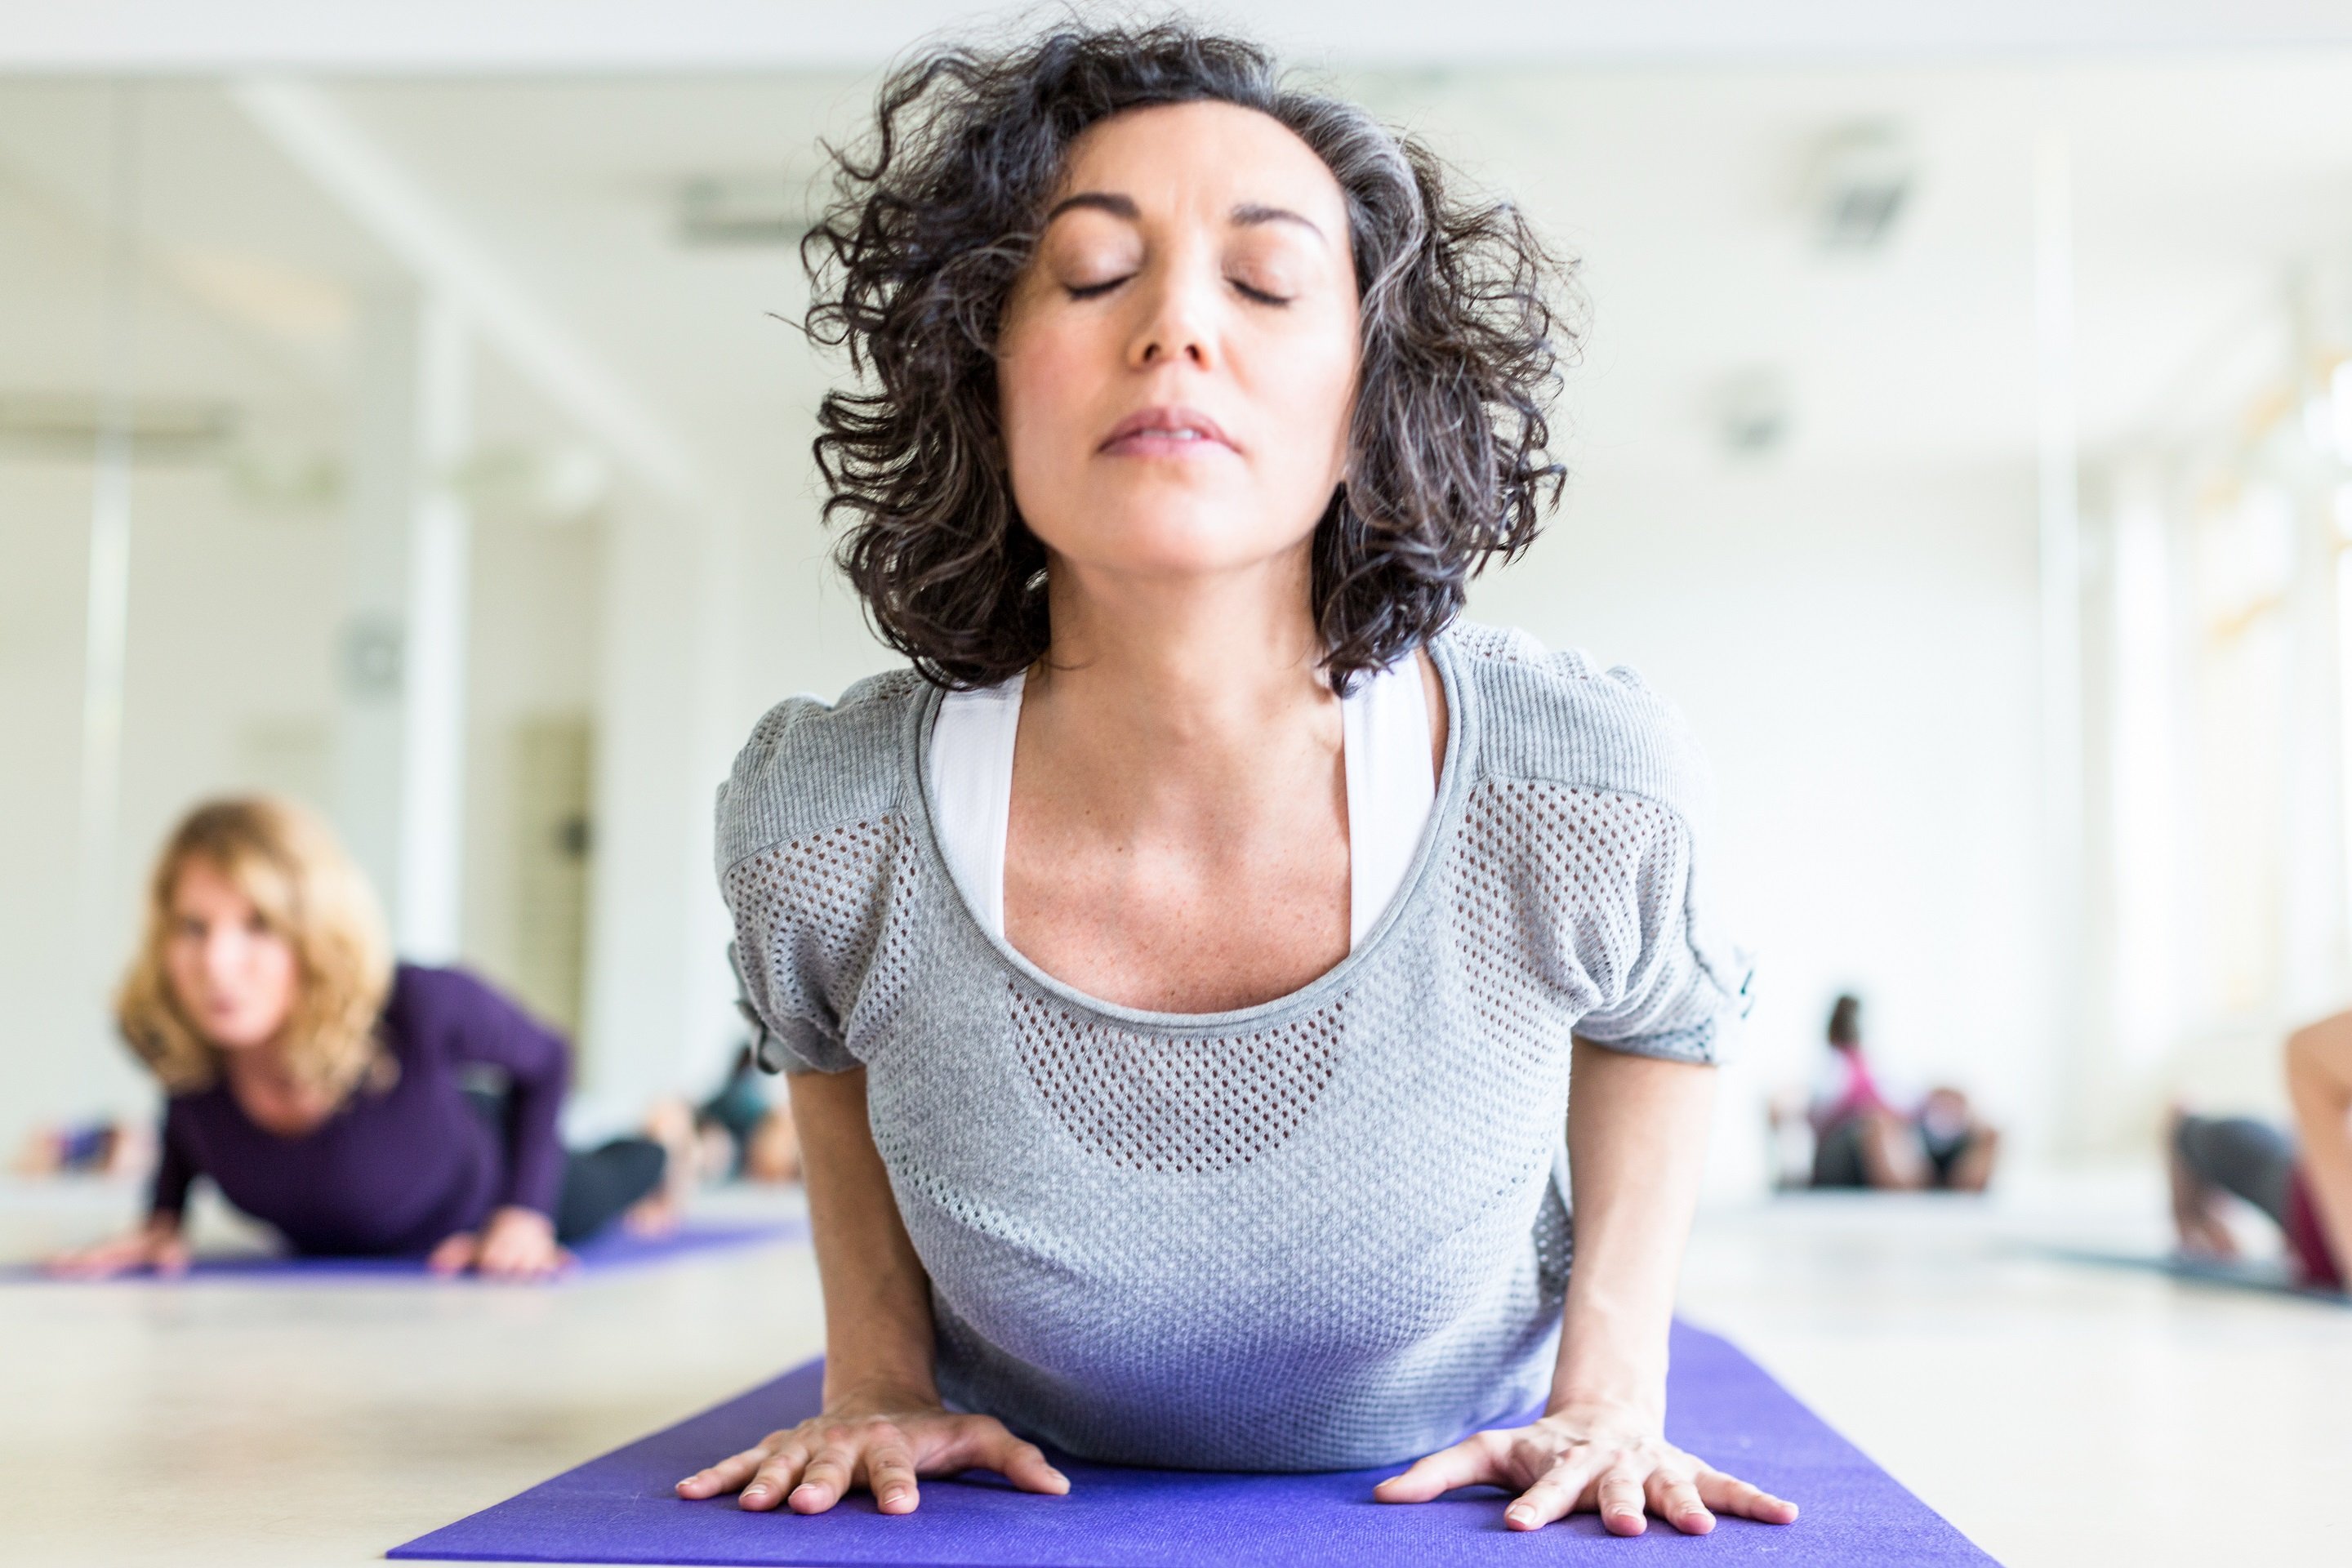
{"type": "Point", "coordinates": [599, 1184]}
{"type": "Point", "coordinates": [2248, 1159]}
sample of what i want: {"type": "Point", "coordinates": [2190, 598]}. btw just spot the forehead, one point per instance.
{"type": "Point", "coordinates": [1214, 156]}
{"type": "Point", "coordinates": [202, 879]}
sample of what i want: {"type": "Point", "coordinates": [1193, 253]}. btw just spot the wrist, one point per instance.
{"type": "Point", "coordinates": [879, 1389]}
{"type": "Point", "coordinates": [1615, 1410]}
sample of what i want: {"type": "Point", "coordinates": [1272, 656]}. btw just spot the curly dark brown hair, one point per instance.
{"type": "Point", "coordinates": [935, 215]}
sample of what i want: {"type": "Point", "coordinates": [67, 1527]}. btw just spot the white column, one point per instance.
{"type": "Point", "coordinates": [2144, 765]}
{"type": "Point", "coordinates": [401, 719]}
{"type": "Point", "coordinates": [106, 625]}
{"type": "Point", "coordinates": [432, 761]}
{"type": "Point", "coordinates": [2061, 609]}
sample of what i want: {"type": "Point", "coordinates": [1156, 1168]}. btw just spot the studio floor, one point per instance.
{"type": "Point", "coordinates": [2059, 1413]}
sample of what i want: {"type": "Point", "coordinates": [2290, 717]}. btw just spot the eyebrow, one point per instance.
{"type": "Point", "coordinates": [1248, 214]}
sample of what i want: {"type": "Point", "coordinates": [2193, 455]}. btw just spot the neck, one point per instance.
{"type": "Point", "coordinates": [264, 1063]}
{"type": "Point", "coordinates": [1161, 691]}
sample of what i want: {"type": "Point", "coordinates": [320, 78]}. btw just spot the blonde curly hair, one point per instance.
{"type": "Point", "coordinates": [310, 894]}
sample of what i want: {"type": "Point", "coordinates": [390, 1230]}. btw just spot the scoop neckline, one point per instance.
{"type": "Point", "coordinates": [1462, 721]}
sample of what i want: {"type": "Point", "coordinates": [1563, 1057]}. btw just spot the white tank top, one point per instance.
{"type": "Point", "coordinates": [1384, 738]}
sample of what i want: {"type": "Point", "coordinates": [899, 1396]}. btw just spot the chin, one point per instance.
{"type": "Point", "coordinates": [1197, 538]}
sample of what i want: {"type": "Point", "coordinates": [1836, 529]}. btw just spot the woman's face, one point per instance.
{"type": "Point", "coordinates": [233, 976]}
{"type": "Point", "coordinates": [1178, 365]}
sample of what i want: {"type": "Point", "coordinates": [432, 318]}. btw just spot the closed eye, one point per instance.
{"type": "Point", "coordinates": [1089, 290]}
{"type": "Point", "coordinates": [1259, 295]}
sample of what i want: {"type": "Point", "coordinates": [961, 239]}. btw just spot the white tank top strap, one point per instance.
{"type": "Point", "coordinates": [1385, 742]}
{"type": "Point", "coordinates": [1391, 787]}
{"type": "Point", "coordinates": [970, 781]}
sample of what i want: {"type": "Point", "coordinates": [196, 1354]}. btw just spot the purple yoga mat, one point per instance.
{"type": "Point", "coordinates": [615, 1249]}
{"type": "Point", "coordinates": [621, 1508]}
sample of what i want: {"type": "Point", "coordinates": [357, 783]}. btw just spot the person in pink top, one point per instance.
{"type": "Point", "coordinates": [1865, 1136]}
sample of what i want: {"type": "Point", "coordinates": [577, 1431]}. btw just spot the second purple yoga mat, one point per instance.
{"type": "Point", "coordinates": [616, 1249]}
{"type": "Point", "coordinates": [621, 1508]}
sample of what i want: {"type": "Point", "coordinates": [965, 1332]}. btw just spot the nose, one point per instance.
{"type": "Point", "coordinates": [224, 950]}
{"type": "Point", "coordinates": [1180, 309]}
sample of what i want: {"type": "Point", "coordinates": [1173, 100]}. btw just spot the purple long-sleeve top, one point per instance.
{"type": "Point", "coordinates": [397, 1168]}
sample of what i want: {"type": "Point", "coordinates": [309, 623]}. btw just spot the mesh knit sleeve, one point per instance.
{"type": "Point", "coordinates": [1666, 988]}
{"type": "Point", "coordinates": [792, 1030]}
{"type": "Point", "coordinates": [1583, 847]}
{"type": "Point", "coordinates": [1587, 894]}
{"type": "Point", "coordinates": [811, 847]}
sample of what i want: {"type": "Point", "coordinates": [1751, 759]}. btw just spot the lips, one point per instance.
{"type": "Point", "coordinates": [1167, 431]}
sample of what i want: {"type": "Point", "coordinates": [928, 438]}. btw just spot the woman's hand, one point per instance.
{"type": "Point", "coordinates": [155, 1245]}
{"type": "Point", "coordinates": [881, 1444]}
{"type": "Point", "coordinates": [518, 1244]}
{"type": "Point", "coordinates": [1571, 1460]}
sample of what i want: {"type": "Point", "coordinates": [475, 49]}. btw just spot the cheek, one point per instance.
{"type": "Point", "coordinates": [1311, 381]}
{"type": "Point", "coordinates": [272, 971]}
{"type": "Point", "coordinates": [183, 963]}
{"type": "Point", "coordinates": [1040, 386]}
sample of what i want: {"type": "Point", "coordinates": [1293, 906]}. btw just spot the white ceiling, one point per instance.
{"type": "Point", "coordinates": [538, 37]}
{"type": "Point", "coordinates": [2198, 183]}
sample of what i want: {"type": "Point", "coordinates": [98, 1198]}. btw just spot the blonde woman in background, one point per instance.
{"type": "Point", "coordinates": [318, 1083]}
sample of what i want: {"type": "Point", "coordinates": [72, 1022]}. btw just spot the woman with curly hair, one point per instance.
{"type": "Point", "coordinates": [1183, 969]}
{"type": "Point", "coordinates": [318, 1085]}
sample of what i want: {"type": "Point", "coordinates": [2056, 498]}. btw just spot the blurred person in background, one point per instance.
{"type": "Point", "coordinates": [741, 1134]}
{"type": "Point", "coordinates": [1868, 1133]}
{"type": "Point", "coordinates": [2301, 1180]}
{"type": "Point", "coordinates": [321, 1086]}
{"type": "Point", "coordinates": [101, 1146]}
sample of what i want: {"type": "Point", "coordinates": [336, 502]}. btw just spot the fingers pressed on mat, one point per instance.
{"type": "Point", "coordinates": [828, 1475]}
{"type": "Point", "coordinates": [1619, 1499]}
{"type": "Point", "coordinates": [890, 1475]}
{"type": "Point", "coordinates": [1460, 1466]}
{"type": "Point", "coordinates": [1726, 1494]}
{"type": "Point", "coordinates": [1554, 1495]}
{"type": "Point", "coordinates": [1677, 1502]}
{"type": "Point", "coordinates": [777, 1475]}
{"type": "Point", "coordinates": [1024, 1464]}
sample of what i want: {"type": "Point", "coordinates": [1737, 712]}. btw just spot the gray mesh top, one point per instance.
{"type": "Point", "coordinates": [1327, 1232]}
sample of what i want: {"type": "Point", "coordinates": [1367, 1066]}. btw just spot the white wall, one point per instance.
{"type": "Point", "coordinates": [1856, 652]}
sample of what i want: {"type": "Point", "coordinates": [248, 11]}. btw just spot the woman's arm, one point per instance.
{"type": "Point", "coordinates": [2319, 1082]}
{"type": "Point", "coordinates": [157, 1244]}
{"type": "Point", "coordinates": [472, 1021]}
{"type": "Point", "coordinates": [883, 1424]}
{"type": "Point", "coordinates": [1637, 1139]}
{"type": "Point", "coordinates": [1636, 1143]}
{"type": "Point", "coordinates": [482, 1024]}
{"type": "Point", "coordinates": [877, 1299]}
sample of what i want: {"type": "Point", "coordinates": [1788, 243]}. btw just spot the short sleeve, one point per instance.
{"type": "Point", "coordinates": [1672, 989]}
{"type": "Point", "coordinates": [1582, 847]}
{"type": "Point", "coordinates": [812, 855]}
{"type": "Point", "coordinates": [791, 1031]}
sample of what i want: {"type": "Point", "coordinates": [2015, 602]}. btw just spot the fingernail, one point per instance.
{"type": "Point", "coordinates": [1521, 1515]}
{"type": "Point", "coordinates": [755, 1491]}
